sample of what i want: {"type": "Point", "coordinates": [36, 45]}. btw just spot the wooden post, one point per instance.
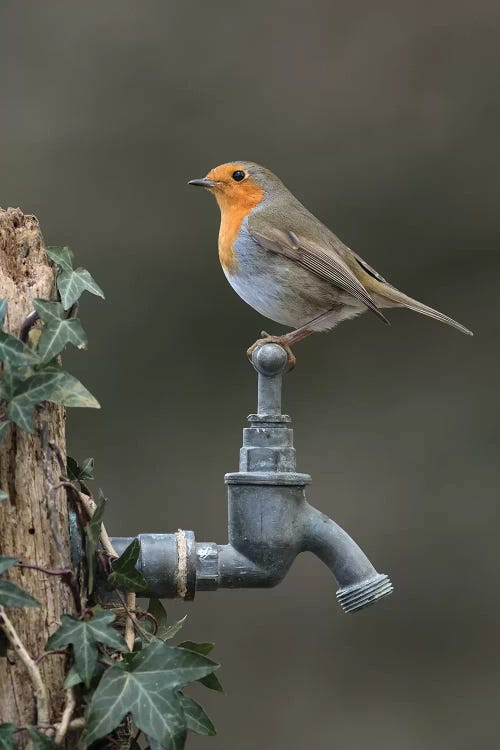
{"type": "Point", "coordinates": [34, 518]}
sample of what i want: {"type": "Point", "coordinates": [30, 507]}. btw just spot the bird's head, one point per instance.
{"type": "Point", "coordinates": [239, 183]}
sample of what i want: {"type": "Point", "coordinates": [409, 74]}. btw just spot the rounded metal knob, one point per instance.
{"type": "Point", "coordinates": [270, 360]}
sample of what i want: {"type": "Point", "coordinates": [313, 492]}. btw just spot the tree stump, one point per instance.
{"type": "Point", "coordinates": [34, 519]}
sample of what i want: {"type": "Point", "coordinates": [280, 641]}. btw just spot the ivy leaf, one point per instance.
{"type": "Point", "coordinates": [3, 310]}
{"type": "Point", "coordinates": [58, 330]}
{"type": "Point", "coordinates": [72, 469]}
{"type": "Point", "coordinates": [164, 631]}
{"type": "Point", "coordinates": [50, 384]}
{"type": "Point", "coordinates": [196, 718]}
{"type": "Point", "coordinates": [147, 687]}
{"type": "Point", "coordinates": [197, 648]}
{"type": "Point", "coordinates": [6, 563]}
{"type": "Point", "coordinates": [22, 414]}
{"type": "Point", "coordinates": [172, 743]}
{"type": "Point", "coordinates": [211, 681]}
{"type": "Point", "coordinates": [68, 391]}
{"type": "Point", "coordinates": [55, 338]}
{"type": "Point", "coordinates": [14, 351]}
{"type": "Point", "coordinates": [62, 256]}
{"type": "Point", "coordinates": [124, 573]}
{"type": "Point", "coordinates": [71, 284]}
{"type": "Point", "coordinates": [7, 737]}
{"type": "Point", "coordinates": [72, 679]}
{"type": "Point", "coordinates": [84, 635]}
{"type": "Point", "coordinates": [181, 666]}
{"type": "Point", "coordinates": [87, 469]}
{"type": "Point", "coordinates": [92, 534]}
{"type": "Point", "coordinates": [12, 595]}
{"type": "Point", "coordinates": [12, 379]}
{"type": "Point", "coordinates": [80, 472]}
{"type": "Point", "coordinates": [41, 741]}
{"type": "Point", "coordinates": [49, 312]}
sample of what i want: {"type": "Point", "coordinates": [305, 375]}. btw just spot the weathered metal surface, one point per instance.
{"type": "Point", "coordinates": [270, 521]}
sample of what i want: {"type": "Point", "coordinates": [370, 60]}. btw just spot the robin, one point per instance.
{"type": "Point", "coordinates": [289, 266]}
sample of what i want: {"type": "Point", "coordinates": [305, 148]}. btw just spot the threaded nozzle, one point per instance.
{"type": "Point", "coordinates": [363, 594]}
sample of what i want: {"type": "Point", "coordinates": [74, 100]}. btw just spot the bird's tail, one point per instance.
{"type": "Point", "coordinates": [395, 298]}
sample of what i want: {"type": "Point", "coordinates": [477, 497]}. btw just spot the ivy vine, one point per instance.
{"type": "Point", "coordinates": [121, 671]}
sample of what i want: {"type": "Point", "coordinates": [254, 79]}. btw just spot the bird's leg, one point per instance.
{"type": "Point", "coordinates": [268, 339]}
{"type": "Point", "coordinates": [288, 339]}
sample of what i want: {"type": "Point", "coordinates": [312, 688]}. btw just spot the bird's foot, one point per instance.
{"type": "Point", "coordinates": [268, 339]}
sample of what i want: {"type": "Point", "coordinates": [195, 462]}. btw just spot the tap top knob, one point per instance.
{"type": "Point", "coordinates": [270, 360]}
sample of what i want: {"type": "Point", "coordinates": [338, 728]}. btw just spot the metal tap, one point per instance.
{"type": "Point", "coordinates": [270, 521]}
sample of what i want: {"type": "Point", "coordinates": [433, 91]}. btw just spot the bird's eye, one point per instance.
{"type": "Point", "coordinates": [239, 175]}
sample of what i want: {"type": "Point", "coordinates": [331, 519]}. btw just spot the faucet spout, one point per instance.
{"type": "Point", "coordinates": [360, 584]}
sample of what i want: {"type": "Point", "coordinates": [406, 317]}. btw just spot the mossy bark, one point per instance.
{"type": "Point", "coordinates": [34, 519]}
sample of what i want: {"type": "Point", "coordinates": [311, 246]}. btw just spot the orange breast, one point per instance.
{"type": "Point", "coordinates": [234, 205]}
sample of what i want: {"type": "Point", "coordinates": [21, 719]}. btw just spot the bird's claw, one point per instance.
{"type": "Point", "coordinates": [267, 338]}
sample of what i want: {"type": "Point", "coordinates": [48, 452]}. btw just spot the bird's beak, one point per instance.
{"type": "Point", "coordinates": [203, 182]}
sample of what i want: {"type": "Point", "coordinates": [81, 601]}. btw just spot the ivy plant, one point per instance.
{"type": "Point", "coordinates": [117, 685]}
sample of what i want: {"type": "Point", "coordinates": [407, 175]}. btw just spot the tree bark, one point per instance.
{"type": "Point", "coordinates": [34, 519]}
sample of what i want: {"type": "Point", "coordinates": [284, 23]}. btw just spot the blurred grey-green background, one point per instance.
{"type": "Point", "coordinates": [383, 117]}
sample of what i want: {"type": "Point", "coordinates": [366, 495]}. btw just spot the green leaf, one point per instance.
{"type": "Point", "coordinates": [147, 688]}
{"type": "Point", "coordinates": [182, 666]}
{"type": "Point", "coordinates": [155, 707]}
{"type": "Point", "coordinates": [3, 310]}
{"type": "Point", "coordinates": [196, 718]}
{"type": "Point", "coordinates": [49, 312]}
{"type": "Point", "coordinates": [197, 648]}
{"type": "Point", "coordinates": [172, 743]}
{"type": "Point", "coordinates": [14, 596]}
{"type": "Point", "coordinates": [81, 472]}
{"type": "Point", "coordinates": [164, 631]}
{"type": "Point", "coordinates": [62, 256]}
{"type": "Point", "coordinates": [72, 469]}
{"type": "Point", "coordinates": [12, 379]}
{"type": "Point", "coordinates": [7, 737]}
{"type": "Point", "coordinates": [71, 284]}
{"type": "Point", "coordinates": [124, 573]}
{"type": "Point", "coordinates": [87, 469]}
{"type": "Point", "coordinates": [72, 679]}
{"type": "Point", "coordinates": [14, 351]}
{"type": "Point", "coordinates": [92, 534]}
{"type": "Point", "coordinates": [3, 495]}
{"type": "Point", "coordinates": [7, 562]}
{"type": "Point", "coordinates": [173, 629]}
{"type": "Point", "coordinates": [22, 414]}
{"type": "Point", "coordinates": [156, 608]}
{"type": "Point", "coordinates": [58, 331]}
{"type": "Point", "coordinates": [41, 741]}
{"type": "Point", "coordinates": [50, 384]}
{"type": "Point", "coordinates": [55, 337]}
{"type": "Point", "coordinates": [84, 635]}
{"type": "Point", "coordinates": [70, 392]}
{"type": "Point", "coordinates": [211, 681]}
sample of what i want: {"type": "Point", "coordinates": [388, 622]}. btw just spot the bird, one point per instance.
{"type": "Point", "coordinates": [289, 266]}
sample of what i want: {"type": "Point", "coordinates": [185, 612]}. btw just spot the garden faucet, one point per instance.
{"type": "Point", "coordinates": [270, 521]}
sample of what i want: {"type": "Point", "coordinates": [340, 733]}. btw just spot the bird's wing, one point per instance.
{"type": "Point", "coordinates": [365, 266]}
{"type": "Point", "coordinates": [322, 260]}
